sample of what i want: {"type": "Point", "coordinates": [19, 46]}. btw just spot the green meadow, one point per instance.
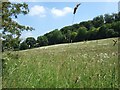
{"type": "Point", "coordinates": [87, 64]}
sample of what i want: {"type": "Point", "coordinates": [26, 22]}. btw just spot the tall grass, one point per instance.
{"type": "Point", "coordinates": [89, 64]}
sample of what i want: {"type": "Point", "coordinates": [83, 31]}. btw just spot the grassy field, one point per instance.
{"type": "Point", "coordinates": [90, 64]}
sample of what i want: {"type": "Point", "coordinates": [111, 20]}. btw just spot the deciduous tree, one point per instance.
{"type": "Point", "coordinates": [10, 27]}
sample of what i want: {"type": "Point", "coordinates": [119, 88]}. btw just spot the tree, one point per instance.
{"type": "Point", "coordinates": [92, 34]}
{"type": "Point", "coordinates": [116, 27]}
{"type": "Point", "coordinates": [111, 33]}
{"type": "Point", "coordinates": [68, 36]}
{"type": "Point", "coordinates": [23, 45]}
{"type": "Point", "coordinates": [116, 16]}
{"type": "Point", "coordinates": [75, 26]}
{"type": "Point", "coordinates": [64, 29]}
{"type": "Point", "coordinates": [87, 24]}
{"type": "Point", "coordinates": [102, 33]}
{"type": "Point", "coordinates": [82, 32]}
{"type": "Point", "coordinates": [73, 36]}
{"type": "Point", "coordinates": [10, 27]}
{"type": "Point", "coordinates": [42, 41]}
{"type": "Point", "coordinates": [108, 18]}
{"type": "Point", "coordinates": [98, 21]}
{"type": "Point", "coordinates": [55, 37]}
{"type": "Point", "coordinates": [31, 42]}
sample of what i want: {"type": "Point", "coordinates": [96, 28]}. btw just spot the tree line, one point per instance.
{"type": "Point", "coordinates": [101, 27]}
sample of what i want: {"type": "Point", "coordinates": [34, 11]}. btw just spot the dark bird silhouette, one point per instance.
{"type": "Point", "coordinates": [76, 7]}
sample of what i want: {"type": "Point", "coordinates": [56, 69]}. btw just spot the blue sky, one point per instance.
{"type": "Point", "coordinates": [47, 16]}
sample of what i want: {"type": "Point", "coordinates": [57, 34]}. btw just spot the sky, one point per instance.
{"type": "Point", "coordinates": [47, 16]}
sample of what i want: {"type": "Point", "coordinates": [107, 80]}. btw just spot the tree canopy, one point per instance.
{"type": "Point", "coordinates": [11, 30]}
{"type": "Point", "coordinates": [42, 41]}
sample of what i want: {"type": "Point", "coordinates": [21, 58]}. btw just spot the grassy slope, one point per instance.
{"type": "Point", "coordinates": [90, 64]}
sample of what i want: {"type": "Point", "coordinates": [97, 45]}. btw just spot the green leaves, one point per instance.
{"type": "Point", "coordinates": [9, 26]}
{"type": "Point", "coordinates": [42, 41]}
{"type": "Point", "coordinates": [30, 42]}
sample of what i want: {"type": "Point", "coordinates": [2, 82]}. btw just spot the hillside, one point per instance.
{"type": "Point", "coordinates": [100, 27]}
{"type": "Point", "coordinates": [88, 64]}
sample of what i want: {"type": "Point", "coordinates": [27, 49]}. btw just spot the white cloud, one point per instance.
{"type": "Point", "coordinates": [37, 11]}
{"type": "Point", "coordinates": [61, 12]}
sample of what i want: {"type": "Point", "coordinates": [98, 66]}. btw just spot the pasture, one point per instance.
{"type": "Point", "coordinates": [88, 64]}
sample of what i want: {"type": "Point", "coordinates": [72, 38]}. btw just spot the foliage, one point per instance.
{"type": "Point", "coordinates": [31, 42]}
{"type": "Point", "coordinates": [55, 37]}
{"type": "Point", "coordinates": [87, 24]}
{"type": "Point", "coordinates": [82, 31]}
{"type": "Point", "coordinates": [42, 41]}
{"type": "Point", "coordinates": [23, 46]}
{"type": "Point", "coordinates": [116, 27]}
{"type": "Point", "coordinates": [98, 21]}
{"type": "Point", "coordinates": [11, 30]}
{"type": "Point", "coordinates": [108, 18]}
{"type": "Point", "coordinates": [67, 36]}
{"type": "Point", "coordinates": [73, 36]}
